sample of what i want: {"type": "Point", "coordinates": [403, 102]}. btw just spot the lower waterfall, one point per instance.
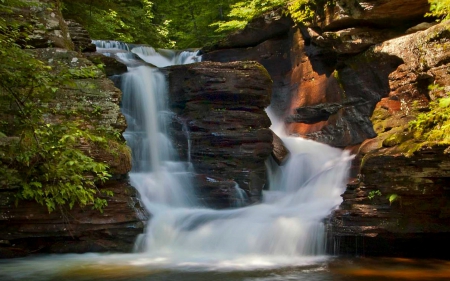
{"type": "Point", "coordinates": [285, 227]}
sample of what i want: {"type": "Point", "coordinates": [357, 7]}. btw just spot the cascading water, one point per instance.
{"type": "Point", "coordinates": [286, 229]}
{"type": "Point", "coordinates": [286, 226]}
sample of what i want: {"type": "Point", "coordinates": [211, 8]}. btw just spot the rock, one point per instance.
{"type": "Point", "coordinates": [416, 223]}
{"type": "Point", "coordinates": [29, 227]}
{"type": "Point", "coordinates": [49, 27]}
{"type": "Point", "coordinates": [420, 27]}
{"type": "Point", "coordinates": [257, 31]}
{"type": "Point", "coordinates": [80, 37]}
{"type": "Point", "coordinates": [218, 193]}
{"type": "Point", "coordinates": [306, 75]}
{"type": "Point", "coordinates": [384, 13]}
{"type": "Point", "coordinates": [353, 40]}
{"type": "Point", "coordinates": [280, 152]}
{"type": "Point", "coordinates": [222, 107]}
{"type": "Point", "coordinates": [92, 100]}
{"type": "Point", "coordinates": [111, 65]}
{"type": "Point", "coordinates": [313, 114]}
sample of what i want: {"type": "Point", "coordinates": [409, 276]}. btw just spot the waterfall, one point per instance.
{"type": "Point", "coordinates": [288, 223]}
{"type": "Point", "coordinates": [285, 228]}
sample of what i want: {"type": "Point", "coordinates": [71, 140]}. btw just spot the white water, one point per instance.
{"type": "Point", "coordinates": [286, 226]}
{"type": "Point", "coordinates": [286, 229]}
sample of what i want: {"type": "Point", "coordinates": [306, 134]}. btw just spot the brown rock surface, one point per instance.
{"type": "Point", "coordinates": [280, 152]}
{"type": "Point", "coordinates": [417, 221]}
{"type": "Point", "coordinates": [387, 13]}
{"type": "Point", "coordinates": [222, 106]}
{"type": "Point", "coordinates": [92, 99]}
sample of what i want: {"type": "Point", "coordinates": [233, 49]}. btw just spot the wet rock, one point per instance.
{"type": "Point", "coordinates": [29, 227]}
{"type": "Point", "coordinates": [218, 193]}
{"type": "Point", "coordinates": [315, 113]}
{"type": "Point", "coordinates": [280, 152]}
{"type": "Point", "coordinates": [221, 106]}
{"type": "Point", "coordinates": [110, 65]}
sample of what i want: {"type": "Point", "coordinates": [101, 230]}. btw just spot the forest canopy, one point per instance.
{"type": "Point", "coordinates": [177, 23]}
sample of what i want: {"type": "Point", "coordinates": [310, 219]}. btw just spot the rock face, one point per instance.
{"type": "Point", "coordinates": [356, 80]}
{"type": "Point", "coordinates": [387, 13]}
{"type": "Point", "coordinates": [311, 67]}
{"type": "Point", "coordinates": [92, 99]}
{"type": "Point", "coordinates": [417, 221]}
{"type": "Point", "coordinates": [220, 121]}
{"type": "Point", "coordinates": [80, 37]}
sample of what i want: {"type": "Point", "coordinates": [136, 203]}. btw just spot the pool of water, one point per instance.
{"type": "Point", "coordinates": [140, 268]}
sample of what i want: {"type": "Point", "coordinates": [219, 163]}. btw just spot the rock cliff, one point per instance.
{"type": "Point", "coordinates": [356, 79]}
{"type": "Point", "coordinates": [90, 98]}
{"type": "Point", "coordinates": [406, 174]}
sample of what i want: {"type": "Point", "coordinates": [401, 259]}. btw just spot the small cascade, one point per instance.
{"type": "Point", "coordinates": [241, 197]}
{"type": "Point", "coordinates": [111, 44]}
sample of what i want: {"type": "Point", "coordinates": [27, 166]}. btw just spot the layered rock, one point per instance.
{"type": "Point", "coordinates": [80, 37]}
{"type": "Point", "coordinates": [385, 13]}
{"type": "Point", "coordinates": [91, 99]}
{"type": "Point", "coordinates": [407, 177]}
{"type": "Point", "coordinates": [311, 67]}
{"type": "Point", "coordinates": [220, 123]}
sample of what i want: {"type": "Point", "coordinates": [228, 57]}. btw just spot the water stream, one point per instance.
{"type": "Point", "coordinates": [285, 230]}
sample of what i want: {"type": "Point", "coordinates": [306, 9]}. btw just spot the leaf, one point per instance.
{"type": "Point", "coordinates": [392, 198]}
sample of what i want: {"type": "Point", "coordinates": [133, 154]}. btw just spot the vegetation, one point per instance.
{"type": "Point", "coordinates": [178, 23]}
{"type": "Point", "coordinates": [439, 9]}
{"type": "Point", "coordinates": [433, 127]}
{"type": "Point", "coordinates": [131, 21]}
{"type": "Point", "coordinates": [39, 151]}
{"type": "Point", "coordinates": [301, 11]}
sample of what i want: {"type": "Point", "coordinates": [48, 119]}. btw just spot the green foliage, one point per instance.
{"type": "Point", "coordinates": [189, 21]}
{"type": "Point", "coordinates": [54, 171]}
{"type": "Point", "coordinates": [302, 12]}
{"type": "Point", "coordinates": [243, 11]}
{"type": "Point", "coordinates": [373, 194]}
{"type": "Point", "coordinates": [40, 152]}
{"type": "Point", "coordinates": [433, 127]}
{"type": "Point", "coordinates": [392, 198]}
{"type": "Point", "coordinates": [439, 9]}
{"type": "Point", "coordinates": [131, 21]}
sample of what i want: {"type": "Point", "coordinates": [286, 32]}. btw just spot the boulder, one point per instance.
{"type": "Point", "coordinates": [221, 106]}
